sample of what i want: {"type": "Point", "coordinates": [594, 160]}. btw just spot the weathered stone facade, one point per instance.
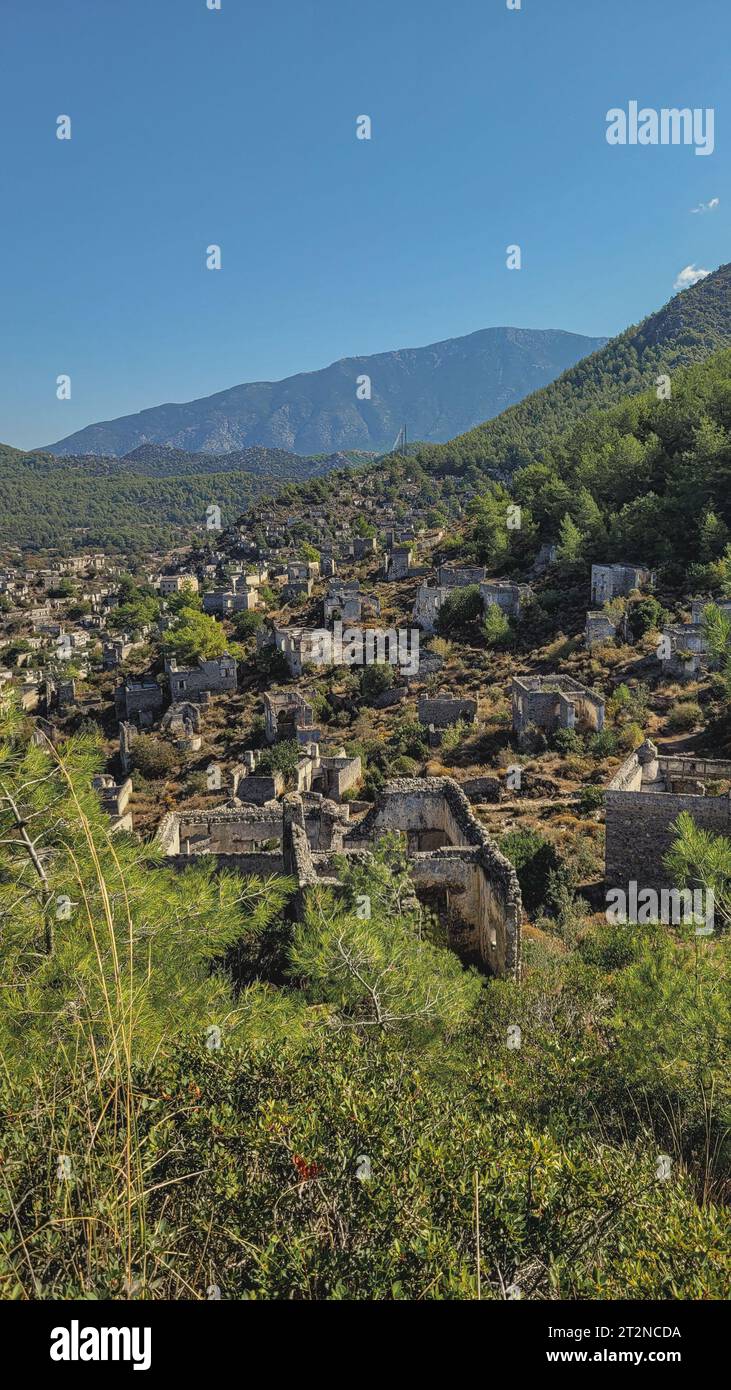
{"type": "Point", "coordinates": [213, 677]}
{"type": "Point", "coordinates": [506, 595]}
{"type": "Point", "coordinates": [140, 699]}
{"type": "Point", "coordinates": [555, 702]}
{"type": "Point", "coordinates": [643, 801]}
{"type": "Point", "coordinates": [617, 581]}
{"type": "Point", "coordinates": [455, 865]}
{"type": "Point", "coordinates": [442, 711]}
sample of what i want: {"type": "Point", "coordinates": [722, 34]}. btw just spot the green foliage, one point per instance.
{"type": "Point", "coordinates": [281, 757]}
{"type": "Point", "coordinates": [645, 616]}
{"type": "Point", "coordinates": [247, 624]}
{"type": "Point", "coordinates": [567, 741]}
{"type": "Point", "coordinates": [698, 858]}
{"type": "Point", "coordinates": [154, 758]}
{"type": "Point", "coordinates": [461, 610]}
{"type": "Point", "coordinates": [590, 799]}
{"type": "Point", "coordinates": [496, 627]}
{"type": "Point", "coordinates": [373, 680]}
{"type": "Point", "coordinates": [534, 859]}
{"type": "Point", "coordinates": [186, 597]}
{"type": "Point", "coordinates": [99, 948]}
{"type": "Point", "coordinates": [195, 636]}
{"type": "Point", "coordinates": [684, 715]}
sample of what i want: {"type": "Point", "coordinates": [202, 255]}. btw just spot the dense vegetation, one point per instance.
{"type": "Point", "coordinates": [150, 500]}
{"type": "Point", "coordinates": [201, 1095]}
{"type": "Point", "coordinates": [688, 329]}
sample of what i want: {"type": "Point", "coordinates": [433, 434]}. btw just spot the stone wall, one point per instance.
{"type": "Point", "coordinates": [640, 814]}
{"type": "Point", "coordinates": [442, 712]}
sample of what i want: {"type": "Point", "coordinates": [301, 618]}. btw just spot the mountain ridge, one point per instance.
{"type": "Point", "coordinates": [439, 390]}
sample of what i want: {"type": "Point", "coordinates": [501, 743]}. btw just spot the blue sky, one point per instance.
{"type": "Point", "coordinates": [237, 127]}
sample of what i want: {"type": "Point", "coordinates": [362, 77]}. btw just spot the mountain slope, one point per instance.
{"type": "Point", "coordinates": [692, 326]}
{"type": "Point", "coordinates": [437, 391]}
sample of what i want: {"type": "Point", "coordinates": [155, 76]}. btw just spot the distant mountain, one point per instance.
{"type": "Point", "coordinates": [689, 328]}
{"type": "Point", "coordinates": [436, 391]}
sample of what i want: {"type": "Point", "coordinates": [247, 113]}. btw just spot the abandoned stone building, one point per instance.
{"type": "Point", "coordinates": [599, 627]}
{"type": "Point", "coordinates": [681, 650]}
{"type": "Point", "coordinates": [617, 581]}
{"type": "Point", "coordinates": [138, 698]}
{"type": "Point", "coordinates": [460, 576]}
{"type": "Point", "coordinates": [456, 868]}
{"type": "Point", "coordinates": [182, 721]}
{"type": "Point", "coordinates": [288, 714]}
{"type": "Point", "coordinates": [554, 702]}
{"type": "Point", "coordinates": [300, 646]}
{"type": "Point", "coordinates": [174, 583]}
{"type": "Point", "coordinates": [330, 775]}
{"type": "Point", "coordinates": [237, 600]}
{"type": "Point", "coordinates": [114, 799]}
{"type": "Point", "coordinates": [510, 597]}
{"type": "Point", "coordinates": [116, 650]}
{"type": "Point", "coordinates": [362, 547]}
{"type": "Point", "coordinates": [398, 562]}
{"type": "Point", "coordinates": [213, 677]}
{"type": "Point", "coordinates": [683, 647]}
{"type": "Point", "coordinates": [442, 711]}
{"type": "Point", "coordinates": [345, 600]}
{"type": "Point", "coordinates": [643, 801]}
{"type": "Point", "coordinates": [302, 570]}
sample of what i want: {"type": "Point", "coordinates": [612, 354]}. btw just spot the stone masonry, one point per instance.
{"type": "Point", "coordinates": [643, 801]}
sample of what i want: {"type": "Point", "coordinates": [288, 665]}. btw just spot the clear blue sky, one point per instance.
{"type": "Point", "coordinates": [193, 126]}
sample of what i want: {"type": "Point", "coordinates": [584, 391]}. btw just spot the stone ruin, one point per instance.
{"type": "Point", "coordinates": [440, 712]}
{"type": "Point", "coordinates": [183, 722]}
{"type": "Point", "coordinates": [456, 868]}
{"type": "Point", "coordinates": [599, 627]}
{"type": "Point", "coordinates": [617, 581]}
{"type": "Point", "coordinates": [550, 703]}
{"type": "Point", "coordinates": [288, 714]}
{"type": "Point", "coordinates": [643, 801]}
{"type": "Point", "coordinates": [683, 646]}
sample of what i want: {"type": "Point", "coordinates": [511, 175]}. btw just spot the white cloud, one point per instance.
{"type": "Point", "coordinates": [690, 275]}
{"type": "Point", "coordinates": [710, 206]}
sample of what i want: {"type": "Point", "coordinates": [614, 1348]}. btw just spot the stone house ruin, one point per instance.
{"type": "Point", "coordinates": [600, 628]}
{"type": "Point", "coordinates": [427, 604]}
{"type": "Point", "coordinates": [114, 799]}
{"type": "Point", "coordinates": [300, 646]}
{"type": "Point", "coordinates": [398, 563]}
{"type": "Point", "coordinates": [213, 677]}
{"type": "Point", "coordinates": [138, 698]}
{"type": "Point", "coordinates": [174, 583]}
{"type": "Point", "coordinates": [555, 702]}
{"type": "Point", "coordinates": [460, 576]}
{"type": "Point", "coordinates": [508, 596]}
{"type": "Point", "coordinates": [287, 715]}
{"type": "Point", "coordinates": [442, 711]}
{"type": "Point", "coordinates": [617, 581]}
{"type": "Point", "coordinates": [683, 647]}
{"type": "Point", "coordinates": [456, 868]}
{"type": "Point", "coordinates": [643, 801]}
{"type": "Point", "coordinates": [183, 723]}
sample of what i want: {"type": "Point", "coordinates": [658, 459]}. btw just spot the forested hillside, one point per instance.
{"type": "Point", "coordinates": [688, 329]}
{"type": "Point", "coordinates": [152, 498]}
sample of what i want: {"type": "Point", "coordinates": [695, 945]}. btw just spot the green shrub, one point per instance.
{"type": "Point", "coordinates": [685, 715]}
